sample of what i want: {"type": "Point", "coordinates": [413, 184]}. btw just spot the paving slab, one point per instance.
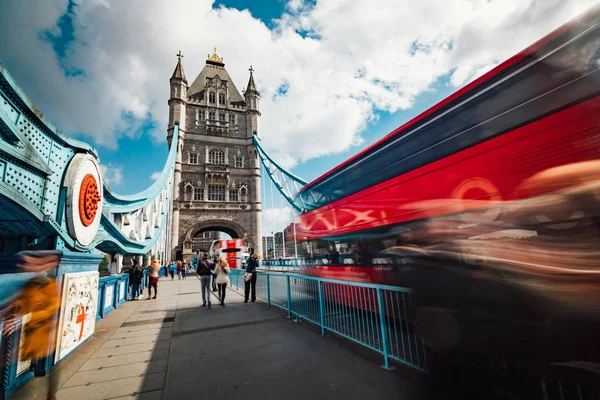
{"type": "Point", "coordinates": [154, 395]}
{"type": "Point", "coordinates": [118, 372]}
{"type": "Point", "coordinates": [118, 388]}
{"type": "Point", "coordinates": [142, 334]}
{"type": "Point", "coordinates": [135, 340]}
{"type": "Point", "coordinates": [131, 348]}
{"type": "Point", "coordinates": [106, 362]}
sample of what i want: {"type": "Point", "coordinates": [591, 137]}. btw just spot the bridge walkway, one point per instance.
{"type": "Point", "coordinates": [172, 348]}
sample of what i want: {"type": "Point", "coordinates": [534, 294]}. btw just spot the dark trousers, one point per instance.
{"type": "Point", "coordinates": [155, 286]}
{"type": "Point", "coordinates": [250, 284]}
{"type": "Point", "coordinates": [214, 283]}
{"type": "Point", "coordinates": [222, 290]}
{"type": "Point", "coordinates": [135, 289]}
{"type": "Point", "coordinates": [172, 275]}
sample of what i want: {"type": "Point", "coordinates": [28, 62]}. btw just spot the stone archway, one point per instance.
{"type": "Point", "coordinates": [231, 228]}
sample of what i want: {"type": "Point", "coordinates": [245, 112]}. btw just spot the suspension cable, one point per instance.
{"type": "Point", "coordinates": [282, 224]}
{"type": "Point", "coordinates": [263, 199]}
{"type": "Point", "coordinates": [273, 223]}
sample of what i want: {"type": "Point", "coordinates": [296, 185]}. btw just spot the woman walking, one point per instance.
{"type": "Point", "coordinates": [250, 281]}
{"type": "Point", "coordinates": [222, 273]}
{"type": "Point", "coordinates": [153, 272]}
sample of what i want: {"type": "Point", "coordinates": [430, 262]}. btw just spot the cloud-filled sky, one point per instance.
{"type": "Point", "coordinates": [334, 75]}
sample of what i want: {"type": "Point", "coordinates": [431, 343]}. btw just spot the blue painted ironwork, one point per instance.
{"type": "Point", "coordinates": [119, 284]}
{"type": "Point", "coordinates": [374, 316]}
{"type": "Point", "coordinates": [288, 184]}
{"type": "Point", "coordinates": [34, 156]}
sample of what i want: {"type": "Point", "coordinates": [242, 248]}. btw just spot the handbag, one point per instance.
{"type": "Point", "coordinates": [247, 277]}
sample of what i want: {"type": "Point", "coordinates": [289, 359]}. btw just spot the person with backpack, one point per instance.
{"type": "Point", "coordinates": [137, 274]}
{"type": "Point", "coordinates": [222, 274]}
{"type": "Point", "coordinates": [205, 270]}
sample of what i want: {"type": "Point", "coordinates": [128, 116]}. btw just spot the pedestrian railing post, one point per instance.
{"type": "Point", "coordinates": [321, 308]}
{"type": "Point", "coordinates": [384, 340]}
{"type": "Point", "coordinates": [268, 290]}
{"type": "Point", "coordinates": [289, 297]}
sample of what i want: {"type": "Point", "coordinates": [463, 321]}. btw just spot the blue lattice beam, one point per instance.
{"type": "Point", "coordinates": [287, 183]}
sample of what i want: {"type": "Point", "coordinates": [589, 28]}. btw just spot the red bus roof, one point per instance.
{"type": "Point", "coordinates": [473, 85]}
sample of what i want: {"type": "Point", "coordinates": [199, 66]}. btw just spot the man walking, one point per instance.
{"type": "Point", "coordinates": [250, 278]}
{"type": "Point", "coordinates": [205, 268]}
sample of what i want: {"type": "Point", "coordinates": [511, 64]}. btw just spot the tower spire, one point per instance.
{"type": "Point", "coordinates": [178, 73]}
{"type": "Point", "coordinates": [251, 87]}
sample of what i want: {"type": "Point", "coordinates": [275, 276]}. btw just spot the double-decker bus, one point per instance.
{"type": "Point", "coordinates": [487, 205]}
{"type": "Point", "coordinates": [234, 250]}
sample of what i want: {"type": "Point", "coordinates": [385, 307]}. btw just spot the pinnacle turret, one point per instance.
{"type": "Point", "coordinates": [251, 87]}
{"type": "Point", "coordinates": [178, 73]}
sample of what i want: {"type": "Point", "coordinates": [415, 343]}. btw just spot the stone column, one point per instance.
{"type": "Point", "coordinates": [176, 200]}
{"type": "Point", "coordinates": [116, 264]}
{"type": "Point", "coordinates": [255, 202]}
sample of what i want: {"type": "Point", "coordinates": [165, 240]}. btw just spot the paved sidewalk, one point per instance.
{"type": "Point", "coordinates": [171, 348]}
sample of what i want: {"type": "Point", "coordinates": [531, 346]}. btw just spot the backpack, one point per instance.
{"type": "Point", "coordinates": [137, 275]}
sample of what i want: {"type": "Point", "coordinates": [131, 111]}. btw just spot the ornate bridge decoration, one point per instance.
{"type": "Point", "coordinates": [51, 189]}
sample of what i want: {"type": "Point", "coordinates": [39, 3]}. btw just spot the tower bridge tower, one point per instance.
{"type": "Point", "coordinates": [217, 171]}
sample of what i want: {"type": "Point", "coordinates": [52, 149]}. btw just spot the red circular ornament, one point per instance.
{"type": "Point", "coordinates": [89, 197]}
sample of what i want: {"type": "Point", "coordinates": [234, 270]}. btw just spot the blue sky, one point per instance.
{"type": "Point", "coordinates": [140, 153]}
{"type": "Point", "coordinates": [352, 73]}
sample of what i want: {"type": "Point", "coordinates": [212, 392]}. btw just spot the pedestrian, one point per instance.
{"type": "Point", "coordinates": [40, 300]}
{"type": "Point", "coordinates": [179, 269]}
{"type": "Point", "coordinates": [222, 274]}
{"type": "Point", "coordinates": [214, 277]}
{"type": "Point", "coordinates": [205, 268]}
{"type": "Point", "coordinates": [172, 269]}
{"type": "Point", "coordinates": [153, 273]}
{"type": "Point", "coordinates": [137, 274]}
{"type": "Point", "coordinates": [250, 278]}
{"type": "Point", "coordinates": [185, 269]}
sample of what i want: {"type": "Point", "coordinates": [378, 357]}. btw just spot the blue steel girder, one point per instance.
{"type": "Point", "coordinates": [288, 184]}
{"type": "Point", "coordinates": [34, 158]}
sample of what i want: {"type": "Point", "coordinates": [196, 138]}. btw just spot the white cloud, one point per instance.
{"type": "Point", "coordinates": [276, 219]}
{"type": "Point", "coordinates": [155, 175]}
{"type": "Point", "coordinates": [350, 59]}
{"type": "Point", "coordinates": [112, 174]}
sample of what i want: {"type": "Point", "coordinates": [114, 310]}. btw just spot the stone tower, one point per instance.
{"type": "Point", "coordinates": [217, 171]}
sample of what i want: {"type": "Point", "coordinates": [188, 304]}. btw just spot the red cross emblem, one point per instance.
{"type": "Point", "coordinates": [81, 319]}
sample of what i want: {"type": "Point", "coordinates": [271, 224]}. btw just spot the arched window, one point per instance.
{"type": "Point", "coordinates": [217, 157]}
{"type": "Point", "coordinates": [211, 97]}
{"type": "Point", "coordinates": [221, 98]}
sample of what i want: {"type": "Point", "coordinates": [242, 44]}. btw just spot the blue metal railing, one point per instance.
{"type": "Point", "coordinates": [375, 316]}
{"type": "Point", "coordinates": [112, 292]}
